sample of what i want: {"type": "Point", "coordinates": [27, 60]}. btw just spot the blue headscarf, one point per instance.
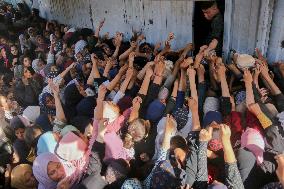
{"type": "Point", "coordinates": [46, 143]}
{"type": "Point", "coordinates": [43, 106]}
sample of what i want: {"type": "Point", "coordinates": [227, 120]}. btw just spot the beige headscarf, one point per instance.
{"type": "Point", "coordinates": [18, 176]}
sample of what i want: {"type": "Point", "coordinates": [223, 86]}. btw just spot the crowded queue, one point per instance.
{"type": "Point", "coordinates": [81, 109]}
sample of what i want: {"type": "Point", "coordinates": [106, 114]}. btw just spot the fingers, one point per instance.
{"type": "Point", "coordinates": [210, 130]}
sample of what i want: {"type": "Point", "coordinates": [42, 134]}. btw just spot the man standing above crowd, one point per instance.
{"type": "Point", "coordinates": [214, 39]}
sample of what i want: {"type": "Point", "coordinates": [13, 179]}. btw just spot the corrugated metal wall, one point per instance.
{"type": "Point", "coordinates": [244, 26]}
{"type": "Point", "coordinates": [275, 51]}
{"type": "Point", "coordinates": [156, 17]}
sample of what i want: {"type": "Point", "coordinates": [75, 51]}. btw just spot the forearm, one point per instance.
{"type": "Point", "coordinates": [158, 79]}
{"type": "Point", "coordinates": [229, 155]}
{"type": "Point", "coordinates": [255, 81]}
{"type": "Point", "coordinates": [106, 71]}
{"type": "Point", "coordinates": [193, 90]}
{"type": "Point", "coordinates": [133, 115]}
{"type": "Point", "coordinates": [202, 173]}
{"type": "Point", "coordinates": [62, 75]}
{"type": "Point", "coordinates": [166, 142]}
{"type": "Point", "coordinates": [98, 115]}
{"type": "Point", "coordinates": [142, 72]}
{"type": "Point", "coordinates": [195, 120]}
{"type": "Point", "coordinates": [145, 85]}
{"type": "Point", "coordinates": [141, 54]}
{"type": "Point", "coordinates": [249, 94]}
{"type": "Point", "coordinates": [224, 87]}
{"type": "Point", "coordinates": [95, 70]}
{"type": "Point", "coordinates": [125, 55]}
{"type": "Point", "coordinates": [114, 82]}
{"type": "Point", "coordinates": [115, 54]}
{"type": "Point", "coordinates": [273, 87]}
{"type": "Point", "coordinates": [124, 84]}
{"type": "Point", "coordinates": [182, 81]}
{"type": "Point", "coordinates": [60, 115]}
{"type": "Point", "coordinates": [175, 89]}
{"type": "Point", "coordinates": [97, 33]}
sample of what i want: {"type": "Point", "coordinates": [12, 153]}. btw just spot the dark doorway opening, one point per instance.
{"type": "Point", "coordinates": [201, 26]}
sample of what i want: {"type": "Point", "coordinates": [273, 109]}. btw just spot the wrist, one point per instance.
{"type": "Point", "coordinates": [201, 78]}
{"type": "Point", "coordinates": [248, 83]}
{"type": "Point", "coordinates": [158, 75]}
{"type": "Point", "coordinates": [100, 138]}
{"type": "Point", "coordinates": [226, 143]}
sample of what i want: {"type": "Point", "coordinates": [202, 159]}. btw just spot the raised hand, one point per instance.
{"type": "Point", "coordinates": [131, 58]}
{"type": "Point", "coordinates": [191, 73]}
{"type": "Point", "coordinates": [159, 68]}
{"type": "Point", "coordinates": [102, 92]}
{"type": "Point", "coordinates": [136, 102]}
{"type": "Point", "coordinates": [205, 135]}
{"type": "Point", "coordinates": [141, 37]}
{"type": "Point", "coordinates": [102, 128]}
{"type": "Point", "coordinates": [225, 133]}
{"type": "Point", "coordinates": [171, 36]}
{"type": "Point", "coordinates": [102, 23]}
{"type": "Point", "coordinates": [133, 44]}
{"type": "Point", "coordinates": [158, 45]}
{"type": "Point", "coordinates": [170, 128]}
{"type": "Point", "coordinates": [221, 70]}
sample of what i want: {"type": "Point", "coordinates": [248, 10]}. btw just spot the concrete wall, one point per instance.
{"type": "Point", "coordinates": [156, 17]}
{"type": "Point", "coordinates": [275, 51]}
{"type": "Point", "coordinates": [244, 25]}
{"type": "Point", "coordinates": [247, 22]}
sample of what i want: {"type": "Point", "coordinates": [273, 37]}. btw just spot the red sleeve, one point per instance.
{"type": "Point", "coordinates": [252, 122]}
{"type": "Point", "coordinates": [234, 120]}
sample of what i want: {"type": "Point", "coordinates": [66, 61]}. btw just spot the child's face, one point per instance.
{"type": "Point", "coordinates": [27, 74]}
{"type": "Point", "coordinates": [20, 133]}
{"type": "Point", "coordinates": [27, 62]}
{"type": "Point", "coordinates": [3, 41]}
{"type": "Point", "coordinates": [14, 51]}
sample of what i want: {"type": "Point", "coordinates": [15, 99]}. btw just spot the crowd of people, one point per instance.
{"type": "Point", "coordinates": [79, 109]}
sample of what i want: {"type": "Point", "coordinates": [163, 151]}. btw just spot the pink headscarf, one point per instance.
{"type": "Point", "coordinates": [72, 152]}
{"type": "Point", "coordinates": [254, 142]}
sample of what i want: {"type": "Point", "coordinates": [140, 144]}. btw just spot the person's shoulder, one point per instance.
{"type": "Point", "coordinates": [218, 18]}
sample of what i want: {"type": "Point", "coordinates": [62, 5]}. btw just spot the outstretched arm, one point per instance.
{"type": "Point", "coordinates": [97, 33]}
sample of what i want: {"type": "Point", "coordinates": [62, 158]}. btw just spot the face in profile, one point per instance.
{"type": "Point", "coordinates": [210, 12]}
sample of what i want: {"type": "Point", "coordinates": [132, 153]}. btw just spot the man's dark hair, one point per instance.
{"type": "Point", "coordinates": [207, 4]}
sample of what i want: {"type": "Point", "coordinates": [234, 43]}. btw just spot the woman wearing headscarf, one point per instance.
{"type": "Point", "coordinates": [73, 95]}
{"type": "Point", "coordinates": [22, 177]}
{"type": "Point", "coordinates": [27, 89]}
{"type": "Point", "coordinates": [67, 165]}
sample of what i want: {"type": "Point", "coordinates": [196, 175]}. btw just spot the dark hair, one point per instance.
{"type": "Point", "coordinates": [29, 135]}
{"type": "Point", "coordinates": [81, 122]}
{"type": "Point", "coordinates": [31, 70]}
{"type": "Point", "coordinates": [145, 44]}
{"type": "Point", "coordinates": [8, 78]}
{"type": "Point", "coordinates": [178, 142]}
{"type": "Point", "coordinates": [207, 4]}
